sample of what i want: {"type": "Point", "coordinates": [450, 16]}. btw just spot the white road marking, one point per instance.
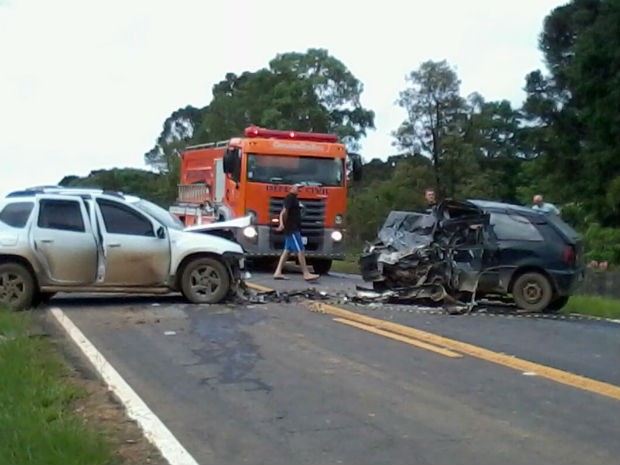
{"type": "Point", "coordinates": [154, 430]}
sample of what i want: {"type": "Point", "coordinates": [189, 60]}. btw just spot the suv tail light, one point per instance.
{"type": "Point", "coordinates": [569, 255]}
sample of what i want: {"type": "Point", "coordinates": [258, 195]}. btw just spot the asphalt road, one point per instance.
{"type": "Point", "coordinates": [280, 384]}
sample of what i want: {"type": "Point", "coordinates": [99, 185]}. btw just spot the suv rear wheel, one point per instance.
{"type": "Point", "coordinates": [205, 281]}
{"type": "Point", "coordinates": [17, 286]}
{"type": "Point", "coordinates": [532, 292]}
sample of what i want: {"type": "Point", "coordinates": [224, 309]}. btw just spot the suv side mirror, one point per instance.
{"type": "Point", "coordinates": [161, 232]}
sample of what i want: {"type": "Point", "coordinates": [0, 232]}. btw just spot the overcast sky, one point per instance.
{"type": "Point", "coordinates": [87, 84]}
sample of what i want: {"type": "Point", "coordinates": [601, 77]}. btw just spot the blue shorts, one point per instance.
{"type": "Point", "coordinates": [293, 242]}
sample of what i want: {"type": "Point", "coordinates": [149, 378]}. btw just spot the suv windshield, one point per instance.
{"type": "Point", "coordinates": [163, 216]}
{"type": "Point", "coordinates": [287, 169]}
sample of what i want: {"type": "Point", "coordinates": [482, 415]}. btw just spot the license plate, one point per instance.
{"type": "Point", "coordinates": [304, 240]}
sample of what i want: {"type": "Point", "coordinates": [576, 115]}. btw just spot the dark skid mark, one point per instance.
{"type": "Point", "coordinates": [229, 348]}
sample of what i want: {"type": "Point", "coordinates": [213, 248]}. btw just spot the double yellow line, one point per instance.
{"type": "Point", "coordinates": [455, 349]}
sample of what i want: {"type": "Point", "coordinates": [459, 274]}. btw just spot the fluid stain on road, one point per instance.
{"type": "Point", "coordinates": [228, 347]}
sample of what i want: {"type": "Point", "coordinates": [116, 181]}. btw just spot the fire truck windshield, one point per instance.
{"type": "Point", "coordinates": [287, 169]}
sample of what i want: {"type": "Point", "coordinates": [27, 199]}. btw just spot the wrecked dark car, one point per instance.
{"type": "Point", "coordinates": [460, 252]}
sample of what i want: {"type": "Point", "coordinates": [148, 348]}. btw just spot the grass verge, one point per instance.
{"type": "Point", "coordinates": [593, 306]}
{"type": "Point", "coordinates": [37, 424]}
{"type": "Point", "coordinates": [349, 265]}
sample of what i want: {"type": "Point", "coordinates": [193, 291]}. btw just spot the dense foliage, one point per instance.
{"type": "Point", "coordinates": [564, 142]}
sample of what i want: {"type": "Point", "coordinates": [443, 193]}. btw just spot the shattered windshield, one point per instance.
{"type": "Point", "coordinates": [287, 169]}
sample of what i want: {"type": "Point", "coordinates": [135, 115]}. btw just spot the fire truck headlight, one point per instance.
{"type": "Point", "coordinates": [339, 219]}
{"type": "Point", "coordinates": [250, 232]}
{"type": "Point", "coordinates": [336, 236]}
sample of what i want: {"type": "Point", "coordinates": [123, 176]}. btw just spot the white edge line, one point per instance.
{"type": "Point", "coordinates": [153, 428]}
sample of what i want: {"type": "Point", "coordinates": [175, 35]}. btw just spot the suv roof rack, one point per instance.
{"type": "Point", "coordinates": [71, 190]}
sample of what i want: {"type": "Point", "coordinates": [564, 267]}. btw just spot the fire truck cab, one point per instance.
{"type": "Point", "coordinates": [251, 175]}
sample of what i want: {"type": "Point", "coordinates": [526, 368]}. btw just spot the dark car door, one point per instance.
{"type": "Point", "coordinates": [519, 242]}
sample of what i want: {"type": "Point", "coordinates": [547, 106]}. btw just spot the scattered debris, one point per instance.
{"type": "Point", "coordinates": [362, 296]}
{"type": "Point", "coordinates": [170, 333]}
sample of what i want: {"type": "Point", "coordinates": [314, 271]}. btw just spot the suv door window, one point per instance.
{"type": "Point", "coordinates": [514, 228]}
{"type": "Point", "coordinates": [64, 215]}
{"type": "Point", "coordinates": [119, 219]}
{"type": "Point", "coordinates": [16, 214]}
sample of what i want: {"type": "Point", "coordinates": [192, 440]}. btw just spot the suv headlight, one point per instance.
{"type": "Point", "coordinates": [250, 232]}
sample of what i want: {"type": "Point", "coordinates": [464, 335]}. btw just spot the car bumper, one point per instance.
{"type": "Point", "coordinates": [566, 282]}
{"type": "Point", "coordinates": [370, 268]}
{"type": "Point", "coordinates": [268, 243]}
{"type": "Point", "coordinates": [236, 265]}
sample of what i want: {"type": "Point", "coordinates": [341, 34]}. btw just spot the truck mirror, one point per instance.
{"type": "Point", "coordinates": [229, 161]}
{"type": "Point", "coordinates": [356, 166]}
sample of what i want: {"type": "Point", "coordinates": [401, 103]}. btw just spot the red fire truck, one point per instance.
{"type": "Point", "coordinates": [251, 175]}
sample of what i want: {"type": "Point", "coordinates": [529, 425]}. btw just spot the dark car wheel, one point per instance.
{"type": "Point", "coordinates": [205, 281]}
{"type": "Point", "coordinates": [17, 286]}
{"type": "Point", "coordinates": [557, 304]}
{"type": "Point", "coordinates": [532, 292]}
{"type": "Point", "coordinates": [321, 266]}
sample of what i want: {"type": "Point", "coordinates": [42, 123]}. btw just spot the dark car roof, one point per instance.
{"type": "Point", "coordinates": [563, 227]}
{"type": "Point", "coordinates": [501, 206]}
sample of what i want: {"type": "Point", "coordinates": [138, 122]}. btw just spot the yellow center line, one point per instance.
{"type": "Point", "coordinates": [397, 337]}
{"type": "Point", "coordinates": [258, 287]}
{"type": "Point", "coordinates": [554, 374]}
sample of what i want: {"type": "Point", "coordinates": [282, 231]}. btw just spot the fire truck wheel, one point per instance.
{"type": "Point", "coordinates": [321, 266]}
{"type": "Point", "coordinates": [205, 281]}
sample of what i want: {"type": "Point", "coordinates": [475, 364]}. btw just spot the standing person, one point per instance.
{"type": "Point", "coordinates": [430, 198]}
{"type": "Point", "coordinates": [290, 223]}
{"type": "Point", "coordinates": [544, 207]}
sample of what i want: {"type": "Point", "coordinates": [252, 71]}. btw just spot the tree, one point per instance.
{"type": "Point", "coordinates": [434, 109]}
{"type": "Point", "coordinates": [573, 111]}
{"type": "Point", "coordinates": [178, 129]}
{"type": "Point", "coordinates": [133, 181]}
{"type": "Point", "coordinates": [333, 86]}
{"type": "Point", "coordinates": [493, 132]}
{"type": "Point", "coordinates": [310, 91]}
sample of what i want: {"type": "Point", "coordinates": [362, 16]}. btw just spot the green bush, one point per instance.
{"type": "Point", "coordinates": [602, 244]}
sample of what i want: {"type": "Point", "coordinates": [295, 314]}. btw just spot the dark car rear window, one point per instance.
{"type": "Point", "coordinates": [565, 229]}
{"type": "Point", "coordinates": [16, 214]}
{"type": "Point", "coordinates": [514, 227]}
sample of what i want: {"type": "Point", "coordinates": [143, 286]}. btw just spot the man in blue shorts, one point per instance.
{"type": "Point", "coordinates": [290, 223]}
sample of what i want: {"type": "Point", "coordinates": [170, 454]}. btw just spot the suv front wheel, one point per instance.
{"type": "Point", "coordinates": [532, 292]}
{"type": "Point", "coordinates": [205, 281]}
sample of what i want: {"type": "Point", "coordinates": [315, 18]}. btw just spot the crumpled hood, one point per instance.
{"type": "Point", "coordinates": [403, 231]}
{"type": "Point", "coordinates": [242, 222]}
{"type": "Point", "coordinates": [407, 233]}
{"type": "Point", "coordinates": [189, 241]}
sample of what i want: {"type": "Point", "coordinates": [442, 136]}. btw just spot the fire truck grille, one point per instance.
{"type": "Point", "coordinates": [312, 221]}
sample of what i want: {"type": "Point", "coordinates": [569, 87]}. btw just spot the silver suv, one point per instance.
{"type": "Point", "coordinates": [55, 239]}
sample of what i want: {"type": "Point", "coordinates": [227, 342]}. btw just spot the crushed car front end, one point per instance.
{"type": "Point", "coordinates": [427, 255]}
